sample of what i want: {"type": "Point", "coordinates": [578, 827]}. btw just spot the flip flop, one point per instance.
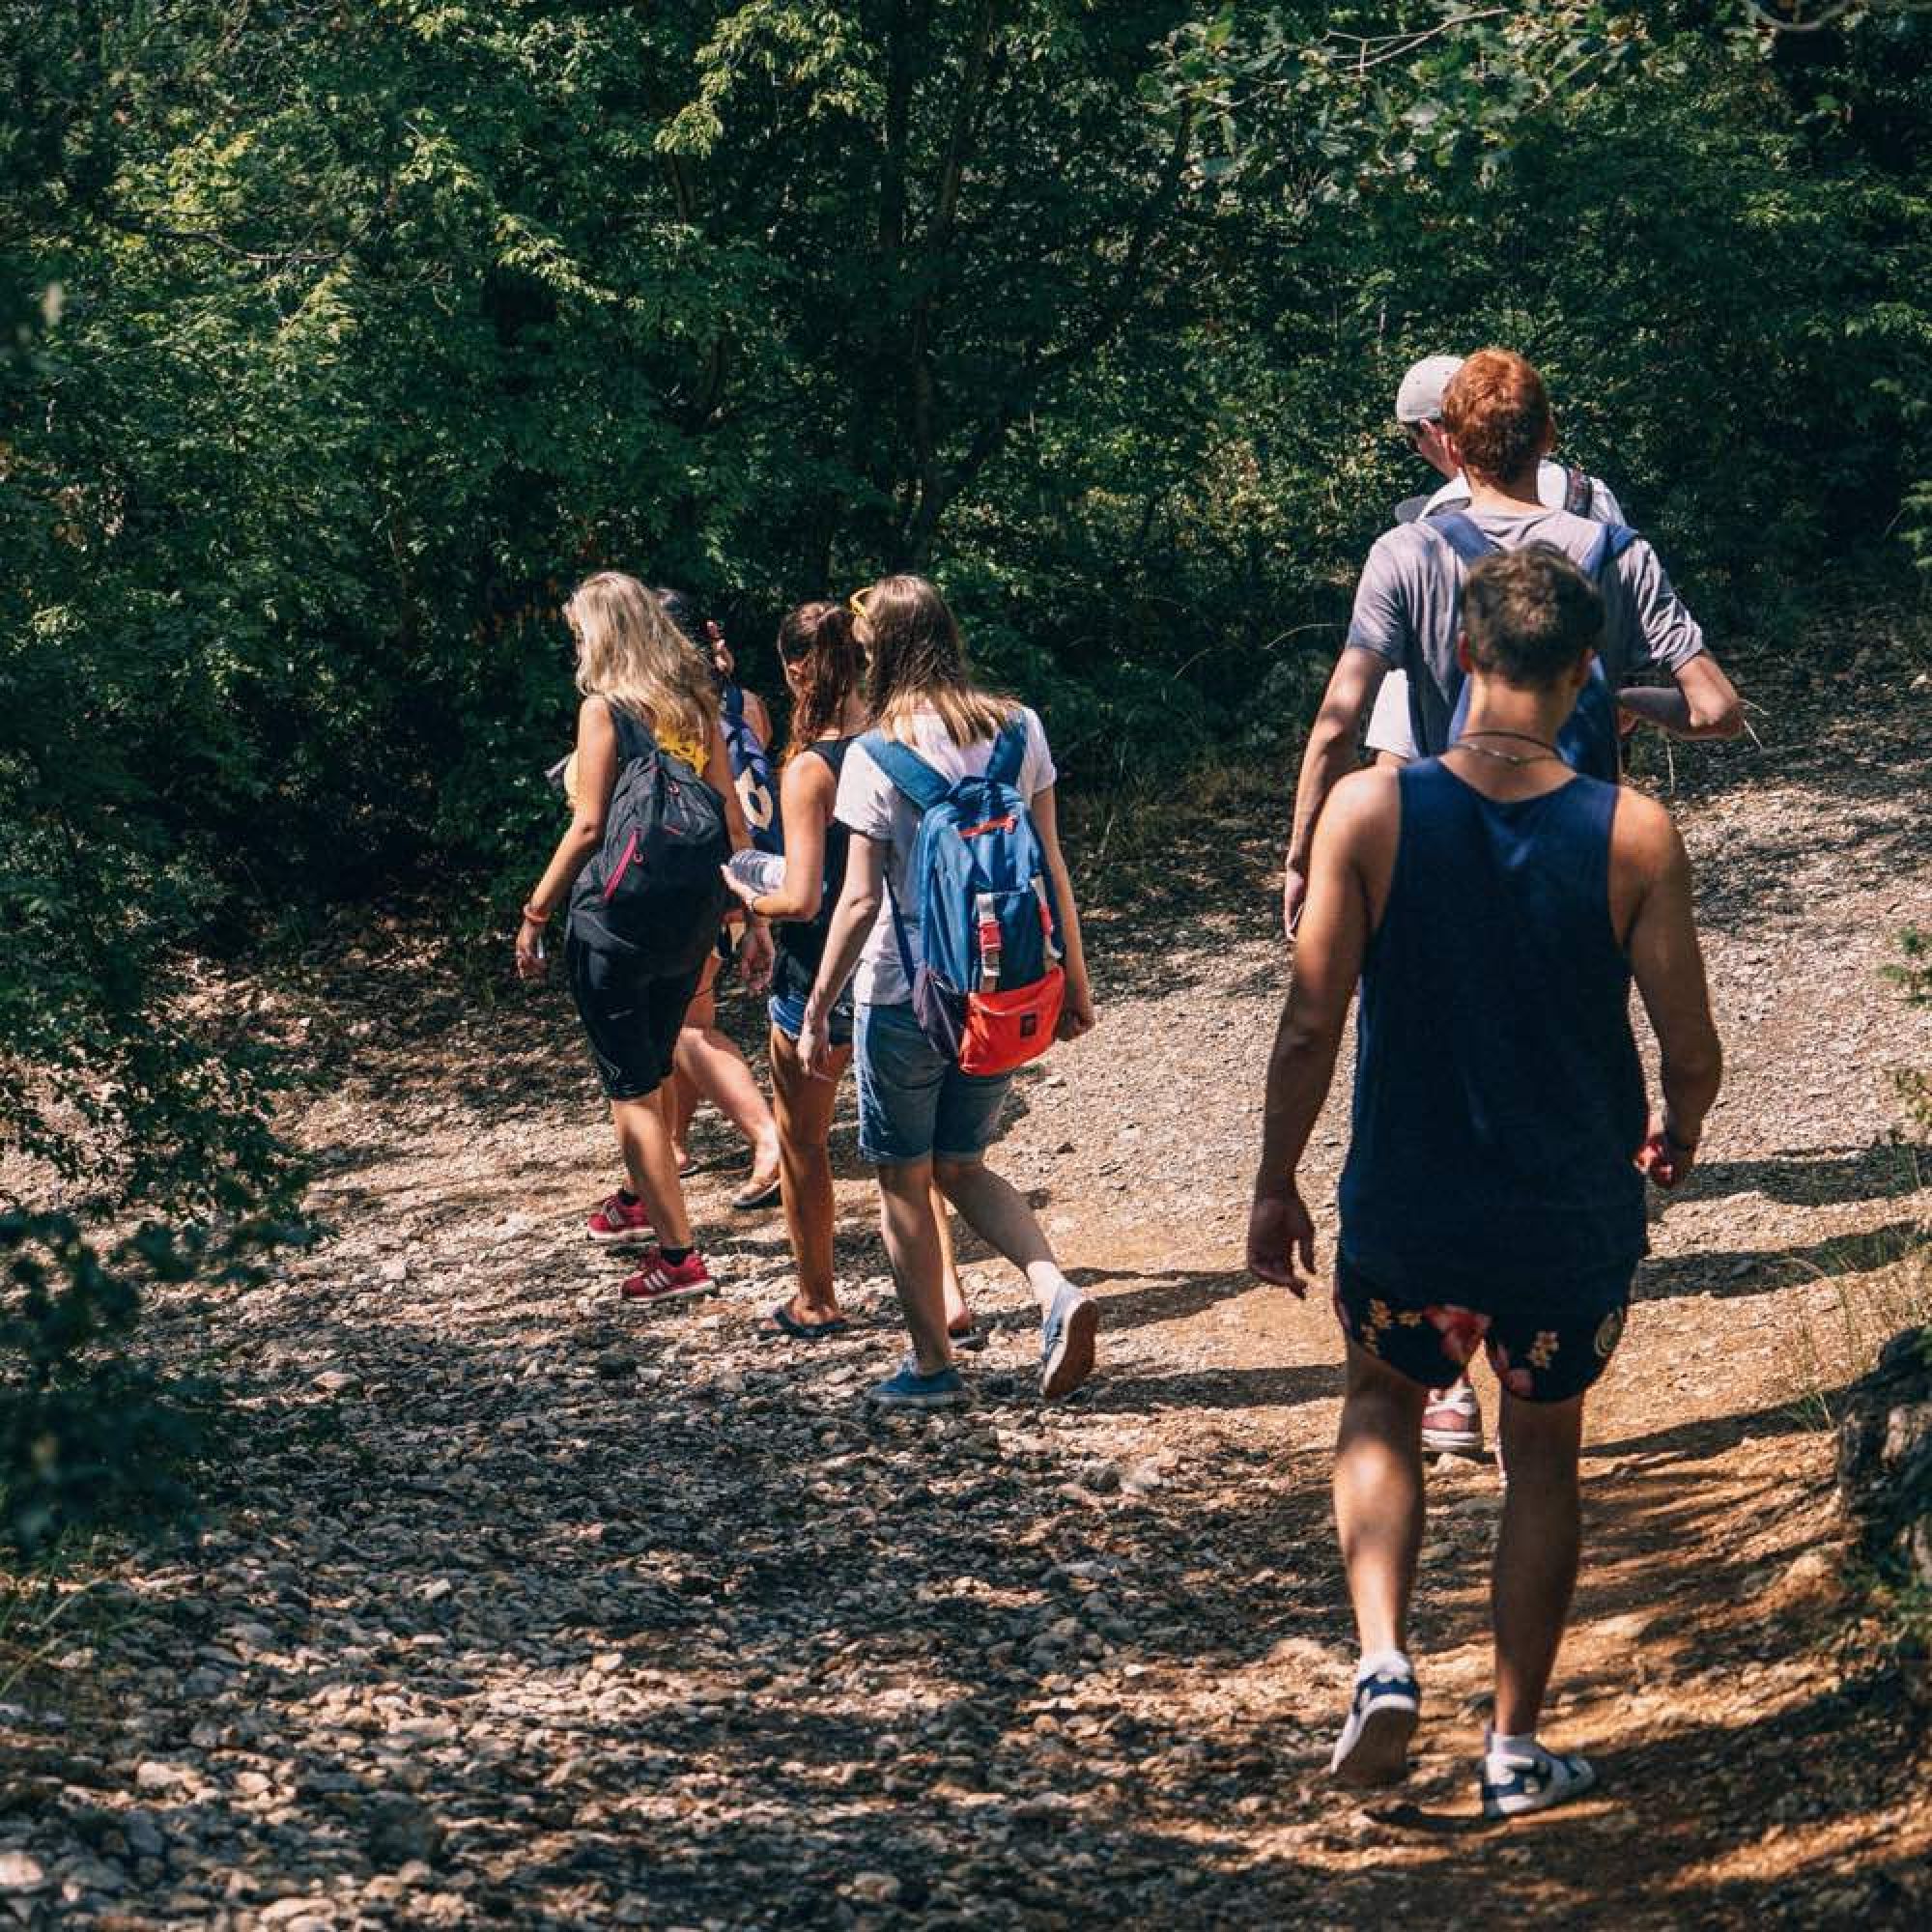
{"type": "Point", "coordinates": [806, 1331]}
{"type": "Point", "coordinates": [754, 1198]}
{"type": "Point", "coordinates": [975, 1335]}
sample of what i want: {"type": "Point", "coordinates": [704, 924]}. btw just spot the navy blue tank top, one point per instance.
{"type": "Point", "coordinates": [800, 944]}
{"type": "Point", "coordinates": [1499, 1100]}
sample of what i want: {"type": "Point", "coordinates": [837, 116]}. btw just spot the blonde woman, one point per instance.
{"type": "Point", "coordinates": [922, 1119]}
{"type": "Point", "coordinates": [641, 681]}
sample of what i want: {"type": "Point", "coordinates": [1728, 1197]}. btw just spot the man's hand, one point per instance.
{"type": "Point", "coordinates": [1279, 1235]}
{"type": "Point", "coordinates": [1293, 897]}
{"type": "Point", "coordinates": [1666, 1159]}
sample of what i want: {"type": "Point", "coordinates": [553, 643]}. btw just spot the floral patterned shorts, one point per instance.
{"type": "Point", "coordinates": [1545, 1346]}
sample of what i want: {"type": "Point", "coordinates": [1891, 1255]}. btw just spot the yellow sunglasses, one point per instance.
{"type": "Point", "coordinates": [856, 602]}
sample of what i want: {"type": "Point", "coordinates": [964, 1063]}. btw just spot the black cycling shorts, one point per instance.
{"type": "Point", "coordinates": [630, 1019]}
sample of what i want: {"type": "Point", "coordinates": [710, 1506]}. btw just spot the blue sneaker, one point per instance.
{"type": "Point", "coordinates": [1374, 1745]}
{"type": "Point", "coordinates": [909, 1389]}
{"type": "Point", "coordinates": [1066, 1343]}
{"type": "Point", "coordinates": [1516, 1781]}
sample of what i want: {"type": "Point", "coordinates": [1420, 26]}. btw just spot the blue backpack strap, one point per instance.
{"type": "Point", "coordinates": [919, 783]}
{"type": "Point", "coordinates": [1009, 753]}
{"type": "Point", "coordinates": [1612, 540]}
{"type": "Point", "coordinates": [1461, 536]}
{"type": "Point", "coordinates": [906, 769]}
{"type": "Point", "coordinates": [733, 699]}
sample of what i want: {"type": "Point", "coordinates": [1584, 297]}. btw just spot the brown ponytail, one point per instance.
{"type": "Point", "coordinates": [817, 642]}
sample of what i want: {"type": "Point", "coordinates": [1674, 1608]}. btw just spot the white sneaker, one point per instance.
{"type": "Point", "coordinates": [1516, 1781]}
{"type": "Point", "coordinates": [1374, 1745]}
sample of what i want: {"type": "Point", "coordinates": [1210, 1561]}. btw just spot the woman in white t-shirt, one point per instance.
{"type": "Point", "coordinates": [920, 1118]}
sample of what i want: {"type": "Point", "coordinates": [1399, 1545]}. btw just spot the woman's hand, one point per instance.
{"type": "Point", "coordinates": [748, 895]}
{"type": "Point", "coordinates": [754, 956]}
{"type": "Point", "coordinates": [1077, 1014]}
{"type": "Point", "coordinates": [530, 961]}
{"type": "Point", "coordinates": [814, 1041]}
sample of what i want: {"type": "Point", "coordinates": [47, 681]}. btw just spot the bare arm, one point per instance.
{"type": "Point", "coordinates": [1328, 757]}
{"type": "Point", "coordinates": [754, 958]}
{"type": "Point", "coordinates": [596, 779]}
{"type": "Point", "coordinates": [1704, 705]}
{"type": "Point", "coordinates": [1334, 935]}
{"type": "Point", "coordinates": [1669, 966]}
{"type": "Point", "coordinates": [717, 774]}
{"type": "Point", "coordinates": [852, 921]}
{"type": "Point", "coordinates": [1078, 1016]}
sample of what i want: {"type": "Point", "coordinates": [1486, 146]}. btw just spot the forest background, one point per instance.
{"type": "Point", "coordinates": [341, 339]}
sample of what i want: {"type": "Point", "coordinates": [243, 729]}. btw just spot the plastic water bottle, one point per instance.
{"type": "Point", "coordinates": [763, 871]}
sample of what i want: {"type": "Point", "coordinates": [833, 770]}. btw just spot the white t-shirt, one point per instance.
{"type": "Point", "coordinates": [1389, 723]}
{"type": "Point", "coordinates": [871, 805]}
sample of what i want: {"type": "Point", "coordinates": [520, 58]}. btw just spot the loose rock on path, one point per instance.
{"type": "Point", "coordinates": [519, 1607]}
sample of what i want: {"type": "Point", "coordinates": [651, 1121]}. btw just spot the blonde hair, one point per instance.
{"type": "Point", "coordinates": [631, 654]}
{"type": "Point", "coordinates": [918, 664]}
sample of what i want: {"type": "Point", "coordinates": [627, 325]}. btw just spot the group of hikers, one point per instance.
{"type": "Point", "coordinates": [1486, 884]}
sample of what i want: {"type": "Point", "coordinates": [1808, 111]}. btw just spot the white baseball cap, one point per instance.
{"type": "Point", "coordinates": [1420, 396]}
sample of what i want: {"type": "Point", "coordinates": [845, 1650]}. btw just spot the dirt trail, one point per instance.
{"type": "Point", "coordinates": [525, 1612]}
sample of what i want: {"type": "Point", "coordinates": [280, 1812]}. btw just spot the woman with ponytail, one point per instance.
{"type": "Point", "coordinates": [825, 668]}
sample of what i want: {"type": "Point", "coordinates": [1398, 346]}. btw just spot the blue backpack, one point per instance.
{"type": "Point", "coordinates": [750, 772]}
{"type": "Point", "coordinates": [1589, 742]}
{"type": "Point", "coordinates": [988, 990]}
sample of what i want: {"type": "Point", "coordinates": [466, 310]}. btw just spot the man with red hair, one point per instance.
{"type": "Point", "coordinates": [1497, 429]}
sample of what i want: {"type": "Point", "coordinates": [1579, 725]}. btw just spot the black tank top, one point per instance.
{"type": "Point", "coordinates": [800, 942]}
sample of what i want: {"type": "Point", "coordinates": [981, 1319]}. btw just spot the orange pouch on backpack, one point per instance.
{"type": "Point", "coordinates": [1006, 1030]}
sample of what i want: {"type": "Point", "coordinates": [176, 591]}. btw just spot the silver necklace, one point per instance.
{"type": "Point", "coordinates": [1536, 758]}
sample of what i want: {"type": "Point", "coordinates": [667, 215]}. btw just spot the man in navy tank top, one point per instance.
{"type": "Point", "coordinates": [1494, 906]}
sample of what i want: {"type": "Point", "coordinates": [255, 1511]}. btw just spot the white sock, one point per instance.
{"type": "Point", "coordinates": [1523, 1747]}
{"type": "Point", "coordinates": [1383, 1664]}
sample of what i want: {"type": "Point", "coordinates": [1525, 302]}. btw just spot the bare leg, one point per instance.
{"type": "Point", "coordinates": [913, 1245]}
{"type": "Point", "coordinates": [644, 1133]}
{"type": "Point", "coordinates": [717, 1070]}
{"type": "Point", "coordinates": [681, 1109]}
{"type": "Point", "coordinates": [804, 1106]}
{"type": "Point", "coordinates": [1536, 1553]}
{"type": "Point", "coordinates": [997, 1211]}
{"type": "Point", "coordinates": [1379, 1497]}
{"type": "Point", "coordinates": [958, 1314]}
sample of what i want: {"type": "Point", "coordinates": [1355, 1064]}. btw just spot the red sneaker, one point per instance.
{"type": "Point", "coordinates": [658, 1280]}
{"type": "Point", "coordinates": [619, 1220]}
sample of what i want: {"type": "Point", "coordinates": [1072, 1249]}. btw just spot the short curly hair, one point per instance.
{"type": "Point", "coordinates": [1498, 412]}
{"type": "Point", "coordinates": [1529, 614]}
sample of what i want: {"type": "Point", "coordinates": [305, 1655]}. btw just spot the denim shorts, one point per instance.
{"type": "Point", "coordinates": [787, 1012]}
{"type": "Point", "coordinates": [913, 1101]}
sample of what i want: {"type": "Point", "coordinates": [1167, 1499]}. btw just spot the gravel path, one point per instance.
{"type": "Point", "coordinates": [523, 1609]}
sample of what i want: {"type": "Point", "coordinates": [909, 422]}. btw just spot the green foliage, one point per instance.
{"type": "Point", "coordinates": [86, 1432]}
